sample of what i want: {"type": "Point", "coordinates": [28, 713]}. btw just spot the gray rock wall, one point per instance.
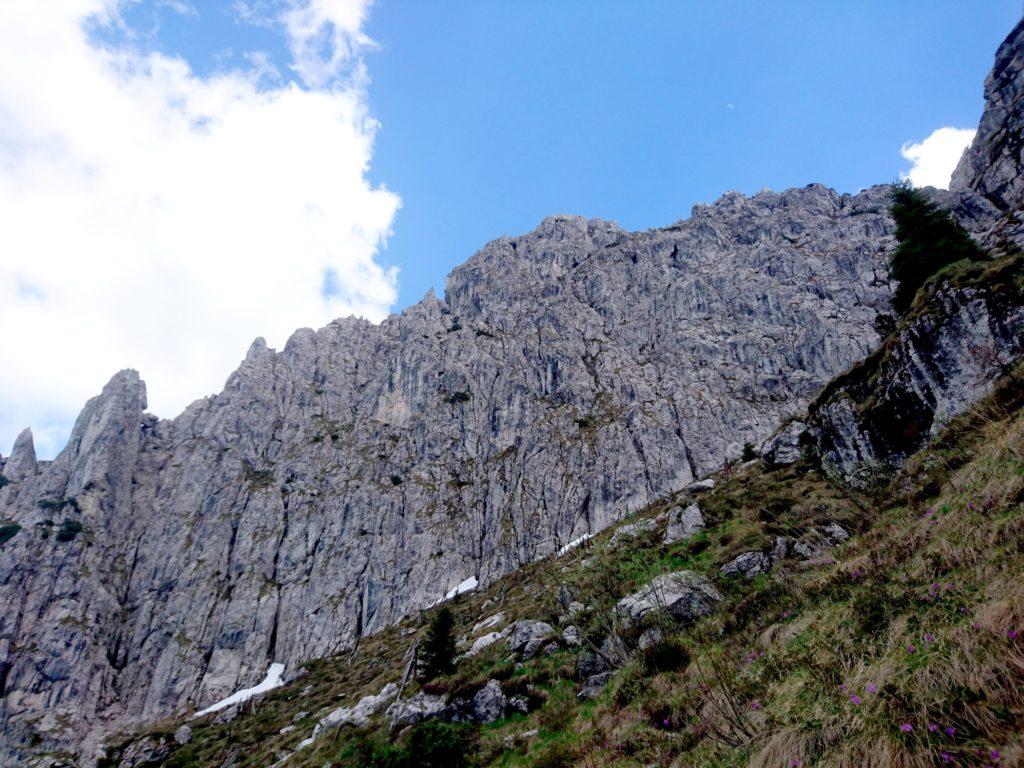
{"type": "Point", "coordinates": [987, 185]}
{"type": "Point", "coordinates": [569, 376]}
{"type": "Point", "coordinates": [942, 360]}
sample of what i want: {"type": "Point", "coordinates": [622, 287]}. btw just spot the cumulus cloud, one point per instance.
{"type": "Point", "coordinates": [155, 219]}
{"type": "Point", "coordinates": [934, 159]}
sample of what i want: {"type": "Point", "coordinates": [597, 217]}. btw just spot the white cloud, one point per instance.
{"type": "Point", "coordinates": [935, 158]}
{"type": "Point", "coordinates": [319, 27]}
{"type": "Point", "coordinates": [154, 219]}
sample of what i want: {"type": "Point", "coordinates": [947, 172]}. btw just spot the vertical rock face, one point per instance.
{"type": "Point", "coordinates": [988, 182]}
{"type": "Point", "coordinates": [569, 376]}
{"type": "Point", "coordinates": [936, 366]}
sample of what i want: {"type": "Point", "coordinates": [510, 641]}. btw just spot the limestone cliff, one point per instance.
{"type": "Point", "coordinates": [567, 377]}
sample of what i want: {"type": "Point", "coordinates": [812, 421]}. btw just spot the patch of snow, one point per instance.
{"type": "Point", "coordinates": [466, 585]}
{"type": "Point", "coordinates": [574, 543]}
{"type": "Point", "coordinates": [274, 679]}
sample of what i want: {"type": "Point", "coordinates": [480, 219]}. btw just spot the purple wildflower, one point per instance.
{"type": "Point", "coordinates": [950, 731]}
{"type": "Point", "coordinates": [795, 762]}
{"type": "Point", "coordinates": [933, 727]}
{"type": "Point", "coordinates": [1012, 634]}
{"type": "Point", "coordinates": [906, 727]}
{"type": "Point", "coordinates": [755, 705]}
{"type": "Point", "coordinates": [929, 638]}
{"type": "Point", "coordinates": [976, 626]}
{"type": "Point", "coordinates": [871, 688]}
{"type": "Point", "coordinates": [855, 699]}
{"type": "Point", "coordinates": [911, 648]}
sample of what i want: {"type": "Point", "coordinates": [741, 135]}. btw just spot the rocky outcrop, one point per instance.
{"type": "Point", "coordinates": [358, 715]}
{"type": "Point", "coordinates": [683, 523]}
{"type": "Point", "coordinates": [785, 446]}
{"type": "Point", "coordinates": [488, 704]}
{"type": "Point", "coordinates": [422, 706]}
{"type": "Point", "coordinates": [526, 637]}
{"type": "Point", "coordinates": [568, 377]}
{"type": "Point", "coordinates": [941, 360]}
{"type": "Point", "coordinates": [683, 595]}
{"type": "Point", "coordinates": [987, 186]}
{"type": "Point", "coordinates": [747, 564]}
{"type": "Point", "coordinates": [631, 530]}
{"type": "Point", "coordinates": [21, 464]}
{"type": "Point", "coordinates": [593, 686]}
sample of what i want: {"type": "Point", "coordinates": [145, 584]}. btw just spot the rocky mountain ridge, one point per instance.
{"type": "Point", "coordinates": [568, 377]}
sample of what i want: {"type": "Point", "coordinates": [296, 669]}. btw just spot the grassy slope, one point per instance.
{"type": "Point", "coordinates": [915, 616]}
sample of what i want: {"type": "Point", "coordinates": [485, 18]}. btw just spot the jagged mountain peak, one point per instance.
{"type": "Point", "coordinates": [569, 377]}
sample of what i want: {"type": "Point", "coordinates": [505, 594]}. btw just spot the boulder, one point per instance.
{"type": "Point", "coordinates": [749, 564]}
{"type": "Point", "coordinates": [483, 642]}
{"type": "Point", "coordinates": [808, 550]}
{"type": "Point", "coordinates": [572, 636]}
{"type": "Point", "coordinates": [519, 704]}
{"type": "Point", "coordinates": [590, 663]}
{"type": "Point", "coordinates": [488, 623]}
{"type": "Point", "coordinates": [784, 447]}
{"type": "Point", "coordinates": [701, 486]}
{"type": "Point", "coordinates": [684, 595]}
{"type": "Point", "coordinates": [683, 523]}
{"type": "Point", "coordinates": [814, 546]}
{"type": "Point", "coordinates": [564, 597]}
{"type": "Point", "coordinates": [416, 709]}
{"type": "Point", "coordinates": [650, 637]}
{"type": "Point", "coordinates": [632, 530]}
{"type": "Point", "coordinates": [526, 637]}
{"type": "Point", "coordinates": [538, 646]}
{"type": "Point", "coordinates": [359, 715]}
{"type": "Point", "coordinates": [226, 715]}
{"type": "Point", "coordinates": [781, 549]}
{"type": "Point", "coordinates": [489, 703]}
{"type": "Point", "coordinates": [835, 533]}
{"type": "Point", "coordinates": [149, 750]}
{"type": "Point", "coordinates": [593, 686]}
{"type": "Point", "coordinates": [183, 735]}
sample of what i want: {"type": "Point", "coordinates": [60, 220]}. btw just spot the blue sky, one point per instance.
{"type": "Point", "coordinates": [241, 156]}
{"type": "Point", "coordinates": [495, 114]}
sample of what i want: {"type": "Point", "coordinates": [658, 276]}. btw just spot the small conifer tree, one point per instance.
{"type": "Point", "coordinates": [438, 651]}
{"type": "Point", "coordinates": [929, 240]}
